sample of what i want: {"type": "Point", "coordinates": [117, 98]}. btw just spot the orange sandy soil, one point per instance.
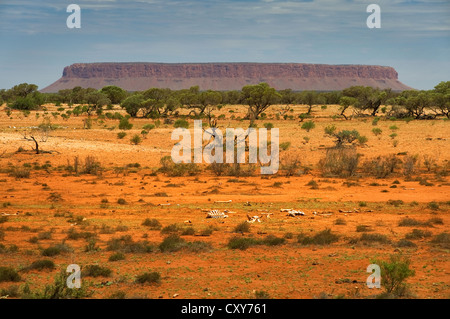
{"type": "Point", "coordinates": [290, 270]}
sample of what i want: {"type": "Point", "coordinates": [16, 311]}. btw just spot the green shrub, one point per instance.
{"type": "Point", "coordinates": [340, 221]}
{"type": "Point", "coordinates": [369, 238]}
{"type": "Point", "coordinates": [121, 135]}
{"type": "Point", "coordinates": [272, 240]}
{"type": "Point", "coordinates": [149, 277]}
{"type": "Point", "coordinates": [418, 234]}
{"type": "Point", "coordinates": [9, 274]}
{"type": "Point", "coordinates": [268, 126]}
{"type": "Point", "coordinates": [171, 229]}
{"type": "Point", "coordinates": [41, 265]}
{"type": "Point", "coordinates": [153, 224]}
{"type": "Point", "coordinates": [406, 221]}
{"type": "Point", "coordinates": [442, 239]}
{"type": "Point", "coordinates": [243, 227]}
{"type": "Point", "coordinates": [56, 250]}
{"type": "Point", "coordinates": [394, 273]}
{"type": "Point", "coordinates": [377, 131]}
{"type": "Point", "coordinates": [116, 257]}
{"type": "Point", "coordinates": [172, 243]}
{"type": "Point", "coordinates": [96, 271]}
{"type": "Point", "coordinates": [198, 246]}
{"type": "Point", "coordinates": [124, 124]}
{"type": "Point", "coordinates": [261, 294]}
{"type": "Point", "coordinates": [324, 237]}
{"type": "Point", "coordinates": [181, 123]}
{"type": "Point", "coordinates": [308, 125]}
{"type": "Point", "coordinates": [241, 243]}
{"type": "Point", "coordinates": [136, 139]}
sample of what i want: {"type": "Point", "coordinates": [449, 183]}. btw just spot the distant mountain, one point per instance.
{"type": "Point", "coordinates": [226, 76]}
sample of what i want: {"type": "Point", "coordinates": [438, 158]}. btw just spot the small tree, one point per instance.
{"type": "Point", "coordinates": [259, 98]}
{"type": "Point", "coordinates": [308, 125]}
{"type": "Point", "coordinates": [394, 273]}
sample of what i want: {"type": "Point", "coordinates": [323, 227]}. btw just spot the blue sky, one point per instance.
{"type": "Point", "coordinates": [35, 43]}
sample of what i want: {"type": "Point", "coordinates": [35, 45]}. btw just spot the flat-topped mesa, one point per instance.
{"type": "Point", "coordinates": [226, 76]}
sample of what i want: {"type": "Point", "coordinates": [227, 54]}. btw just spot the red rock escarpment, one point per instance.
{"type": "Point", "coordinates": [226, 76]}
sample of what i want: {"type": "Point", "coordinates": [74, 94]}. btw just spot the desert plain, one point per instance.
{"type": "Point", "coordinates": [125, 206]}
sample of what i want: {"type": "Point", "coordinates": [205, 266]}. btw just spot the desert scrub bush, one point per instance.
{"type": "Point", "coordinates": [9, 274]}
{"type": "Point", "coordinates": [116, 257]}
{"type": "Point", "coordinates": [433, 206]}
{"type": "Point", "coordinates": [284, 146]}
{"type": "Point", "coordinates": [313, 184]}
{"type": "Point", "coordinates": [121, 135]}
{"type": "Point", "coordinates": [340, 221]}
{"type": "Point", "coordinates": [152, 224]}
{"type": "Point", "coordinates": [291, 165]}
{"type": "Point", "coordinates": [268, 125]}
{"type": "Point", "coordinates": [121, 201]}
{"type": "Point", "coordinates": [188, 231]}
{"type": "Point", "coordinates": [374, 237]}
{"type": "Point", "coordinates": [442, 239]}
{"type": "Point", "coordinates": [261, 294]}
{"type": "Point", "coordinates": [73, 234]}
{"type": "Point", "coordinates": [125, 244]}
{"type": "Point", "coordinates": [136, 140]}
{"type": "Point", "coordinates": [41, 264]}
{"type": "Point", "coordinates": [409, 165]}
{"type": "Point", "coordinates": [96, 271]}
{"type": "Point", "coordinates": [181, 123]}
{"type": "Point", "coordinates": [243, 227]}
{"type": "Point", "coordinates": [405, 243]}
{"type": "Point", "coordinates": [308, 126]}
{"type": "Point", "coordinates": [19, 172]}
{"type": "Point", "coordinates": [56, 250]}
{"type": "Point", "coordinates": [272, 240]}
{"type": "Point", "coordinates": [198, 246]}
{"type": "Point", "coordinates": [58, 290]}
{"type": "Point", "coordinates": [10, 292]}
{"type": "Point", "coordinates": [395, 202]}
{"type": "Point", "coordinates": [324, 237]}
{"type": "Point", "coordinates": [377, 131]}
{"type": "Point", "coordinates": [381, 167]}
{"type": "Point", "coordinates": [124, 124]}
{"type": "Point", "coordinates": [91, 166]}
{"type": "Point", "coordinates": [418, 234]}
{"type": "Point", "coordinates": [149, 278]}
{"type": "Point", "coordinates": [171, 229]}
{"type": "Point", "coordinates": [241, 243]}
{"type": "Point", "coordinates": [172, 243]}
{"type": "Point", "coordinates": [394, 274]}
{"type": "Point", "coordinates": [341, 162]}
{"type": "Point", "coordinates": [408, 222]}
{"type": "Point", "coordinates": [363, 228]}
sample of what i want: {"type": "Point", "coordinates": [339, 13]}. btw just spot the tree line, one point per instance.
{"type": "Point", "coordinates": [159, 102]}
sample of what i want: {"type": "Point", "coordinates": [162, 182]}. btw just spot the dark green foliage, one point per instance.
{"type": "Point", "coordinates": [394, 273]}
{"type": "Point", "coordinates": [9, 274]}
{"type": "Point", "coordinates": [116, 257]}
{"type": "Point", "coordinates": [153, 224]}
{"type": "Point", "coordinates": [41, 265]}
{"type": "Point", "coordinates": [149, 278]}
{"type": "Point", "coordinates": [172, 243]}
{"type": "Point", "coordinates": [324, 237]}
{"type": "Point", "coordinates": [96, 271]}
